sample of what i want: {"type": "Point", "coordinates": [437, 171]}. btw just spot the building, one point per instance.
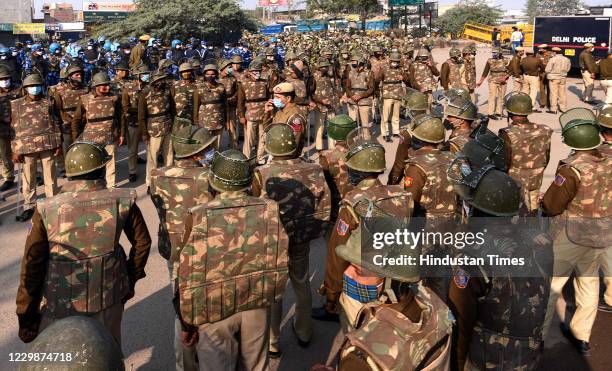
{"type": "Point", "coordinates": [58, 13]}
{"type": "Point", "coordinates": [16, 11]}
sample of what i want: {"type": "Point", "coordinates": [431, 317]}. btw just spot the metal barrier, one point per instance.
{"type": "Point", "coordinates": [482, 33]}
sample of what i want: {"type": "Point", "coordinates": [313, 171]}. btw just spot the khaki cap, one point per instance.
{"type": "Point", "coordinates": [556, 49]}
{"type": "Point", "coordinates": [284, 87]}
{"type": "Point", "coordinates": [543, 46]}
{"type": "Point", "coordinates": [144, 38]}
{"type": "Point", "coordinates": [519, 48]}
{"type": "Point", "coordinates": [588, 45]}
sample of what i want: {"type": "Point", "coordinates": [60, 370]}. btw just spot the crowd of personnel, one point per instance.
{"type": "Point", "coordinates": [230, 170]}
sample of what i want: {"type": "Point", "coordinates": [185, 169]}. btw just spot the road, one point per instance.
{"type": "Point", "coordinates": [148, 318]}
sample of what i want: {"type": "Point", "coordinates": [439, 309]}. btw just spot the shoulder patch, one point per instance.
{"type": "Point", "coordinates": [342, 227]}
{"type": "Point", "coordinates": [296, 124]}
{"type": "Point", "coordinates": [461, 278]}
{"type": "Point", "coordinates": [559, 180]}
{"type": "Point", "coordinates": [408, 181]}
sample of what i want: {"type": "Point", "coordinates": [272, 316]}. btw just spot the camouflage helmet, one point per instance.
{"type": "Point", "coordinates": [604, 118]}
{"type": "Point", "coordinates": [185, 67]}
{"type": "Point", "coordinates": [364, 153]}
{"type": "Point", "coordinates": [579, 129]}
{"type": "Point", "coordinates": [210, 67]}
{"type": "Point", "coordinates": [416, 101]}
{"type": "Point", "coordinates": [339, 126]}
{"type": "Point", "coordinates": [141, 69]}
{"type": "Point", "coordinates": [518, 104]}
{"type": "Point", "coordinates": [358, 58]}
{"type": "Point", "coordinates": [408, 47]}
{"type": "Point", "coordinates": [486, 188]}
{"type": "Point", "coordinates": [188, 140]}
{"type": "Point", "coordinates": [454, 52]}
{"type": "Point", "coordinates": [323, 63]}
{"type": "Point", "coordinates": [422, 53]}
{"type": "Point", "coordinates": [73, 69]}
{"type": "Point", "coordinates": [231, 171]}
{"type": "Point", "coordinates": [395, 57]}
{"type": "Point", "coordinates": [427, 128]}
{"type": "Point", "coordinates": [195, 63]}
{"type": "Point", "coordinates": [224, 63]}
{"type": "Point", "coordinates": [92, 346]}
{"type": "Point", "coordinates": [270, 52]}
{"type": "Point", "coordinates": [255, 66]}
{"type": "Point", "coordinates": [5, 73]}
{"type": "Point", "coordinates": [32, 80]}
{"type": "Point", "coordinates": [158, 77]}
{"type": "Point", "coordinates": [280, 140]}
{"type": "Point", "coordinates": [84, 158]}
{"type": "Point", "coordinates": [236, 58]}
{"type": "Point", "coordinates": [100, 78]}
{"type": "Point", "coordinates": [344, 49]}
{"type": "Point", "coordinates": [461, 108]}
{"type": "Point", "coordinates": [466, 50]}
{"type": "Point", "coordinates": [326, 50]}
{"type": "Point", "coordinates": [165, 63]}
{"type": "Point", "coordinates": [376, 49]}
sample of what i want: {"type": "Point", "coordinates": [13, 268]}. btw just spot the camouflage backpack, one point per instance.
{"type": "Point", "coordinates": [235, 258]}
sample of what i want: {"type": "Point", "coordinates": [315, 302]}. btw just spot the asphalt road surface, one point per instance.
{"type": "Point", "coordinates": [148, 317]}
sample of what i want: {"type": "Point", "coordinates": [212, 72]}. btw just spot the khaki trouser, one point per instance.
{"type": "Point", "coordinates": [589, 84]}
{"type": "Point", "coordinates": [250, 137]}
{"type": "Point", "coordinates": [184, 358]}
{"type": "Point", "coordinates": [319, 125]}
{"type": "Point", "coordinates": [361, 114]}
{"type": "Point", "coordinates": [7, 168]}
{"type": "Point", "coordinates": [557, 94]}
{"type": "Point", "coordinates": [497, 92]}
{"type": "Point", "coordinates": [300, 280]}
{"type": "Point", "coordinates": [530, 198]}
{"type": "Point", "coordinates": [473, 97]}
{"type": "Point", "coordinates": [584, 262]}
{"type": "Point", "coordinates": [531, 86]}
{"type": "Point", "coordinates": [391, 112]}
{"type": "Point", "coordinates": [111, 149]}
{"type": "Point", "coordinates": [607, 85]}
{"type": "Point", "coordinates": [544, 92]}
{"type": "Point", "coordinates": [133, 141]}
{"type": "Point", "coordinates": [156, 146]}
{"type": "Point", "coordinates": [109, 317]}
{"type": "Point", "coordinates": [606, 268]}
{"type": "Point", "coordinates": [239, 339]}
{"type": "Point", "coordinates": [47, 160]}
{"type": "Point", "coordinates": [232, 127]}
{"type": "Point", "coordinates": [517, 85]}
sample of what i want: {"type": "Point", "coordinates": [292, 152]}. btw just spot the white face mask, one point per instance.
{"type": "Point", "coordinates": [89, 47]}
{"type": "Point", "coordinates": [5, 83]}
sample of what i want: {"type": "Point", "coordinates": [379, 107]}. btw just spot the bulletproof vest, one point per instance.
{"type": "Point", "coordinates": [229, 83]}
{"type": "Point", "coordinates": [159, 120]}
{"type": "Point", "coordinates": [87, 270]}
{"type": "Point", "coordinates": [212, 106]}
{"type": "Point", "coordinates": [508, 329]}
{"type": "Point", "coordinates": [70, 100]}
{"type": "Point", "coordinates": [458, 138]}
{"type": "Point", "coordinates": [454, 75]}
{"type": "Point", "coordinates": [175, 189]}
{"type": "Point", "coordinates": [302, 194]}
{"type": "Point", "coordinates": [256, 96]}
{"type": "Point", "coordinates": [35, 128]}
{"type": "Point", "coordinates": [183, 98]}
{"type": "Point", "coordinates": [424, 76]}
{"type": "Point", "coordinates": [325, 89]}
{"type": "Point", "coordinates": [497, 69]}
{"type": "Point", "coordinates": [470, 74]}
{"type": "Point", "coordinates": [235, 259]}
{"type": "Point", "coordinates": [301, 94]}
{"type": "Point", "coordinates": [530, 144]}
{"type": "Point", "coordinates": [589, 214]}
{"type": "Point", "coordinates": [391, 199]}
{"type": "Point", "coordinates": [438, 198]}
{"type": "Point", "coordinates": [133, 93]}
{"type": "Point", "coordinates": [359, 84]}
{"type": "Point", "coordinates": [100, 114]}
{"type": "Point", "coordinates": [392, 85]}
{"type": "Point", "coordinates": [393, 342]}
{"type": "Point", "coordinates": [5, 112]}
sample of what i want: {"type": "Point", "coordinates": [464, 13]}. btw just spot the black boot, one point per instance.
{"type": "Point", "coordinates": [133, 177]}
{"type": "Point", "coordinates": [581, 346]}
{"type": "Point", "coordinates": [26, 215]}
{"type": "Point", "coordinates": [141, 160]}
{"type": "Point", "coordinates": [8, 184]}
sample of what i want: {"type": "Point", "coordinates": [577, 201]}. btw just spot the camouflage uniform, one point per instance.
{"type": "Point", "coordinates": [182, 93]}
{"type": "Point", "coordinates": [6, 133]}
{"type": "Point", "coordinates": [527, 154]}
{"type": "Point", "coordinates": [334, 168]}
{"type": "Point", "coordinates": [392, 80]}
{"type": "Point", "coordinates": [78, 232]}
{"type": "Point", "coordinates": [458, 138]}
{"type": "Point", "coordinates": [302, 95]}
{"type": "Point", "coordinates": [252, 97]}
{"type": "Point", "coordinates": [423, 77]}
{"type": "Point", "coordinates": [231, 90]}
{"type": "Point", "coordinates": [497, 69]}
{"type": "Point", "coordinates": [37, 136]}
{"type": "Point", "coordinates": [470, 76]}
{"type": "Point", "coordinates": [305, 205]}
{"type": "Point", "coordinates": [360, 83]}
{"type": "Point", "coordinates": [129, 102]}
{"type": "Point", "coordinates": [455, 75]}
{"type": "Point", "coordinates": [66, 101]}
{"type": "Point", "coordinates": [210, 108]}
{"type": "Point", "coordinates": [324, 89]}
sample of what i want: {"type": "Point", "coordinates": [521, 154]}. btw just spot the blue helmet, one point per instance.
{"type": "Point", "coordinates": [133, 39]}
{"type": "Point", "coordinates": [273, 40]}
{"type": "Point", "coordinates": [203, 42]}
{"type": "Point", "coordinates": [55, 47]}
{"type": "Point", "coordinates": [35, 47]}
{"type": "Point", "coordinates": [29, 42]}
{"type": "Point", "coordinates": [176, 42]}
{"type": "Point", "coordinates": [101, 39]}
{"type": "Point", "coordinates": [107, 45]}
{"type": "Point", "coordinates": [4, 51]}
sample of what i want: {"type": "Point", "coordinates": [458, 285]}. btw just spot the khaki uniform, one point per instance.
{"type": "Point", "coordinates": [402, 153]}
{"type": "Point", "coordinates": [588, 68]}
{"type": "Point", "coordinates": [497, 70]}
{"type": "Point", "coordinates": [324, 90]}
{"type": "Point", "coordinates": [37, 136]}
{"type": "Point", "coordinates": [517, 74]}
{"type": "Point", "coordinates": [129, 102]}
{"type": "Point", "coordinates": [363, 84]}
{"type": "Point", "coordinates": [579, 198]}
{"type": "Point", "coordinates": [210, 108]}
{"type": "Point", "coordinates": [251, 100]}
{"type": "Point", "coordinates": [556, 73]}
{"type": "Point", "coordinates": [544, 85]}
{"type": "Point", "coordinates": [6, 134]}
{"type": "Point", "coordinates": [532, 68]}
{"type": "Point", "coordinates": [605, 73]}
{"type": "Point", "coordinates": [231, 92]}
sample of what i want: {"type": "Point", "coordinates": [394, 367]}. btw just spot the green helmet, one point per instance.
{"type": "Point", "coordinates": [358, 58]}
{"type": "Point", "coordinates": [91, 345]}
{"type": "Point", "coordinates": [458, 92]}
{"type": "Point", "coordinates": [270, 52]}
{"type": "Point", "coordinates": [408, 47]}
{"type": "Point", "coordinates": [344, 49]}
{"type": "Point", "coordinates": [604, 118]}
{"type": "Point", "coordinates": [141, 69]}
{"type": "Point", "coordinates": [195, 63]}
{"type": "Point", "coordinates": [376, 49]}
{"type": "Point", "coordinates": [323, 63]}
{"type": "Point", "coordinates": [416, 101]}
{"type": "Point", "coordinates": [5, 73]}
{"type": "Point", "coordinates": [32, 80]}
{"type": "Point", "coordinates": [427, 128]}
{"type": "Point", "coordinates": [224, 63]}
{"type": "Point", "coordinates": [461, 108]}
{"type": "Point", "coordinates": [280, 140]}
{"type": "Point", "coordinates": [100, 78]}
{"type": "Point", "coordinates": [231, 171]}
{"type": "Point", "coordinates": [255, 66]}
{"type": "Point", "coordinates": [188, 140]}
{"type": "Point", "coordinates": [339, 127]}
{"type": "Point", "coordinates": [290, 56]}
{"type": "Point", "coordinates": [185, 67]}
{"type": "Point", "coordinates": [325, 51]}
{"type": "Point", "coordinates": [395, 57]}
{"type": "Point", "coordinates": [165, 63]}
{"type": "Point", "coordinates": [236, 58]}
{"type": "Point", "coordinates": [364, 154]}
{"type": "Point", "coordinates": [84, 158]}
{"type": "Point", "coordinates": [579, 129]}
{"type": "Point", "coordinates": [486, 188]}
{"type": "Point", "coordinates": [466, 50]}
{"type": "Point", "coordinates": [73, 69]}
{"type": "Point", "coordinates": [211, 67]}
{"type": "Point", "coordinates": [454, 53]}
{"type": "Point", "coordinates": [422, 53]}
{"type": "Point", "coordinates": [158, 77]}
{"type": "Point", "coordinates": [518, 104]}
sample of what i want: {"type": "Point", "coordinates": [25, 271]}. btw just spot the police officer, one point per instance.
{"type": "Point", "coordinates": [210, 104]}
{"type": "Point", "coordinates": [514, 68]}
{"type": "Point", "coordinates": [129, 102]}
{"type": "Point", "coordinates": [325, 101]}
{"type": "Point", "coordinates": [588, 68]}
{"type": "Point", "coordinates": [8, 92]}
{"type": "Point", "coordinates": [230, 84]}
{"type": "Point", "coordinates": [469, 56]}
{"type": "Point", "coordinates": [580, 195]}
{"type": "Point", "coordinates": [422, 72]}
{"type": "Point", "coordinates": [304, 201]}
{"type": "Point", "coordinates": [183, 91]}
{"type": "Point", "coordinates": [452, 72]}
{"type": "Point", "coordinates": [99, 119]}
{"type": "Point", "coordinates": [527, 147]}
{"type": "Point", "coordinates": [360, 84]}
{"type": "Point", "coordinates": [253, 93]}
{"type": "Point", "coordinates": [392, 79]}
{"type": "Point", "coordinates": [78, 231]}
{"type": "Point", "coordinates": [532, 67]}
{"type": "Point", "coordinates": [460, 113]}
{"type": "Point", "coordinates": [497, 71]}
{"type": "Point", "coordinates": [228, 334]}
{"type": "Point", "coordinates": [37, 138]}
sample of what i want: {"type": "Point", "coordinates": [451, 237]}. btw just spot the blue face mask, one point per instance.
{"type": "Point", "coordinates": [208, 157]}
{"type": "Point", "coordinates": [145, 78]}
{"type": "Point", "coordinates": [229, 71]}
{"type": "Point", "coordinates": [34, 90]}
{"type": "Point", "coordinates": [277, 103]}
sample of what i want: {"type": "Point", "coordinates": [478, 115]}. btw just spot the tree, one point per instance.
{"type": "Point", "coordinates": [551, 7]}
{"type": "Point", "coordinates": [364, 8]}
{"type": "Point", "coordinates": [212, 20]}
{"type": "Point", "coordinates": [474, 11]}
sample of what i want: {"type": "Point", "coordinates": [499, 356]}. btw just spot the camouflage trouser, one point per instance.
{"type": "Point", "coordinates": [6, 161]}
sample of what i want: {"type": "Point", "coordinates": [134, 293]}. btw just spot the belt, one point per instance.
{"type": "Point", "coordinates": [528, 74]}
{"type": "Point", "coordinates": [359, 89]}
{"type": "Point", "coordinates": [100, 119]}
{"type": "Point", "coordinates": [215, 101]}
{"type": "Point", "coordinates": [152, 116]}
{"type": "Point", "coordinates": [257, 100]}
{"type": "Point", "coordinates": [392, 82]}
{"type": "Point", "coordinates": [69, 109]}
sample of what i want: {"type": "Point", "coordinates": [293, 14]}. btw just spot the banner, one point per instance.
{"type": "Point", "coordinates": [103, 6]}
{"type": "Point", "coordinates": [97, 17]}
{"type": "Point", "coordinates": [272, 3]}
{"type": "Point", "coordinates": [28, 28]}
